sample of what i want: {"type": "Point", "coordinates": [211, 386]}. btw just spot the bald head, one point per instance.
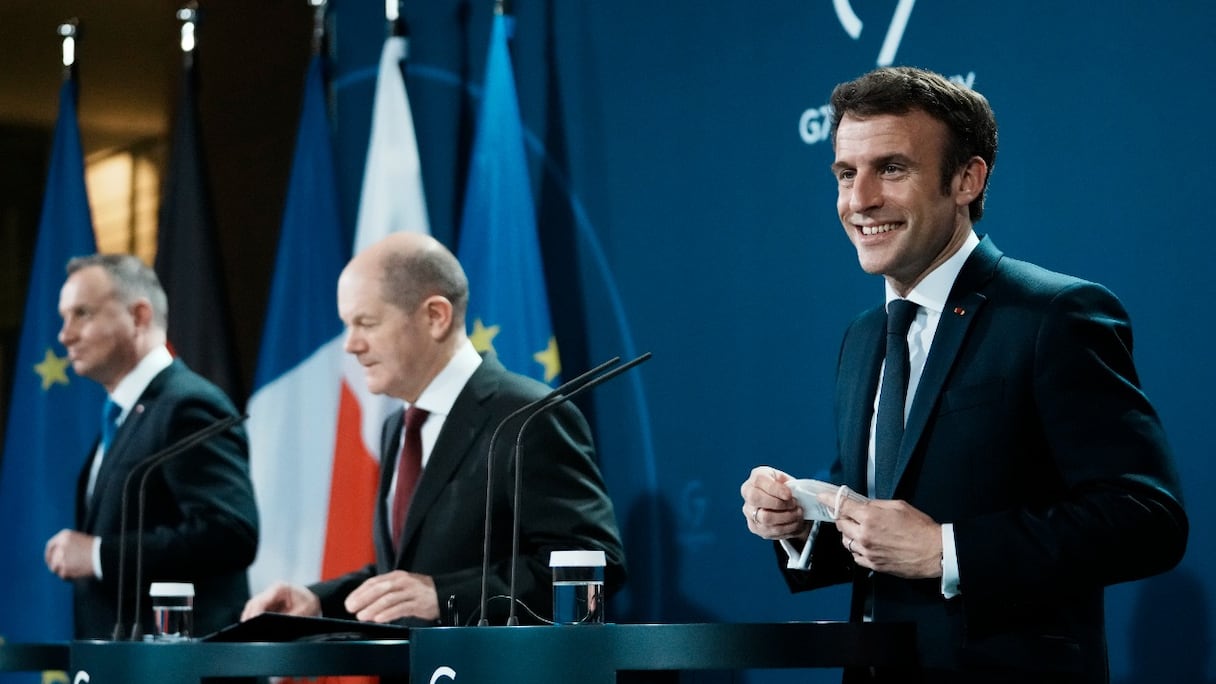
{"type": "Point", "coordinates": [412, 267]}
{"type": "Point", "coordinates": [403, 303]}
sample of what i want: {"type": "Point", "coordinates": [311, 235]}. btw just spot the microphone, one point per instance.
{"type": "Point", "coordinates": [485, 551]}
{"type": "Point", "coordinates": [182, 445]}
{"type": "Point", "coordinates": [559, 399]}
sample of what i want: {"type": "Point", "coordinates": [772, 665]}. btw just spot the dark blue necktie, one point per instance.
{"type": "Point", "coordinates": [889, 431]}
{"type": "Point", "coordinates": [109, 423]}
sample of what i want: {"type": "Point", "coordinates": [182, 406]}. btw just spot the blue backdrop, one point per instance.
{"type": "Point", "coordinates": [679, 161]}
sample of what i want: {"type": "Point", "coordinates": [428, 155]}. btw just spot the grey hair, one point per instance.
{"type": "Point", "coordinates": [133, 280]}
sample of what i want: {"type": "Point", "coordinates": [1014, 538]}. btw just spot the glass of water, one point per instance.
{"type": "Point", "coordinates": [172, 610]}
{"type": "Point", "coordinates": [578, 587]}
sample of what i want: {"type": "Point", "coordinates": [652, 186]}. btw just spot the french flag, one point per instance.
{"type": "Point", "coordinates": [314, 428]}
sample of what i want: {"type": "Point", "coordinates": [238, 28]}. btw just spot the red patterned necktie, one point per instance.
{"type": "Point", "coordinates": [409, 468]}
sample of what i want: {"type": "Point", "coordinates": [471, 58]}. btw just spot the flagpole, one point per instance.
{"type": "Point", "coordinates": [188, 15]}
{"type": "Point", "coordinates": [318, 25]}
{"type": "Point", "coordinates": [395, 25]}
{"type": "Point", "coordinates": [69, 32]}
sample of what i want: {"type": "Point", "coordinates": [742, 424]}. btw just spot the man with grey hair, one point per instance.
{"type": "Point", "coordinates": [200, 521]}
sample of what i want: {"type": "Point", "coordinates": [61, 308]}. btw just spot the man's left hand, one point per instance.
{"type": "Point", "coordinates": [890, 537]}
{"type": "Point", "coordinates": [395, 595]}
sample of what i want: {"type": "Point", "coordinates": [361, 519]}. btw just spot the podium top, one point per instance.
{"type": "Point", "coordinates": [280, 628]}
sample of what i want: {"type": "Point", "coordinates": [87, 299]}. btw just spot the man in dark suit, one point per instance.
{"type": "Point", "coordinates": [403, 302]}
{"type": "Point", "coordinates": [200, 520]}
{"type": "Point", "coordinates": [1032, 470]}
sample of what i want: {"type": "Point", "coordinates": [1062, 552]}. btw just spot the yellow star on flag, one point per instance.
{"type": "Point", "coordinates": [550, 359]}
{"type": "Point", "coordinates": [52, 369]}
{"type": "Point", "coordinates": [482, 336]}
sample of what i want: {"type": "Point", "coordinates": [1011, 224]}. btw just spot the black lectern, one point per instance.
{"type": "Point", "coordinates": [106, 662]}
{"type": "Point", "coordinates": [589, 654]}
{"type": "Point", "coordinates": [33, 657]}
{"type": "Point", "coordinates": [594, 654]}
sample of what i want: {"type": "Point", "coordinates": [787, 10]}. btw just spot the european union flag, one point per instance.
{"type": "Point", "coordinates": [54, 416]}
{"type": "Point", "coordinates": [508, 303]}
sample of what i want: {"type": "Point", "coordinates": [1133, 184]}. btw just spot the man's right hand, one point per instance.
{"type": "Point", "coordinates": [769, 506]}
{"type": "Point", "coordinates": [283, 598]}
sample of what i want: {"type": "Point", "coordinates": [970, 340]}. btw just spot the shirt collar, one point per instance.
{"type": "Point", "coordinates": [934, 289]}
{"type": "Point", "coordinates": [440, 395]}
{"type": "Point", "coordinates": [132, 386]}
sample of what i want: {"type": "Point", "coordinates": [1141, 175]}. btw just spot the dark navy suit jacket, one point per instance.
{"type": "Point", "coordinates": [565, 505]}
{"type": "Point", "coordinates": [200, 520]}
{"type": "Point", "coordinates": [1030, 433]}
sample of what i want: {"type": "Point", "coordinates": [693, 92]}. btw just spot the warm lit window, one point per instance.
{"type": "Point", "coordinates": [124, 196]}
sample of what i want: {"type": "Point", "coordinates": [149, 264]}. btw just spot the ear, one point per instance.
{"type": "Point", "coordinates": [141, 311]}
{"type": "Point", "coordinates": [970, 181]}
{"type": "Point", "coordinates": [438, 312]}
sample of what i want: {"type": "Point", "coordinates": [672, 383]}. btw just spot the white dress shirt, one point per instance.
{"type": "Point", "coordinates": [437, 399]}
{"type": "Point", "coordinates": [125, 395]}
{"type": "Point", "coordinates": [930, 294]}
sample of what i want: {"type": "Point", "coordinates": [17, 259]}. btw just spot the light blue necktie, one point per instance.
{"type": "Point", "coordinates": [109, 423]}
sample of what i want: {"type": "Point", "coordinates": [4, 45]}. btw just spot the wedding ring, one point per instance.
{"type": "Point", "coordinates": [851, 545]}
{"type": "Point", "coordinates": [756, 515]}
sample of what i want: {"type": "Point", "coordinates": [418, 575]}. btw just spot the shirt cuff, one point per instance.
{"type": "Point", "coordinates": [97, 557]}
{"type": "Point", "coordinates": [950, 578]}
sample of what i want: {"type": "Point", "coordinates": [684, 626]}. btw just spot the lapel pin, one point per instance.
{"type": "Point", "coordinates": [960, 311]}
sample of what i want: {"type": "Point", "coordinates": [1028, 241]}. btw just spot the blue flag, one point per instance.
{"type": "Point", "coordinates": [508, 303]}
{"type": "Point", "coordinates": [54, 416]}
{"type": "Point", "coordinates": [302, 314]}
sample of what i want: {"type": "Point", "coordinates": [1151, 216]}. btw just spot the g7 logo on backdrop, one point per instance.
{"type": "Point", "coordinates": [895, 32]}
{"type": "Point", "coordinates": [815, 124]}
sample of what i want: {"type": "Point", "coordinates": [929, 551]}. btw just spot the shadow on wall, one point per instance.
{"type": "Point", "coordinates": [1178, 653]}
{"type": "Point", "coordinates": [659, 598]}
{"type": "Point", "coordinates": [654, 583]}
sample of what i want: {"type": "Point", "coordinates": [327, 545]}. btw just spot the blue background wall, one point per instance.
{"type": "Point", "coordinates": [686, 208]}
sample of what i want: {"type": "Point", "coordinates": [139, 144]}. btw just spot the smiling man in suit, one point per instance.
{"type": "Point", "coordinates": [403, 303]}
{"type": "Point", "coordinates": [200, 520]}
{"type": "Point", "coordinates": [1024, 470]}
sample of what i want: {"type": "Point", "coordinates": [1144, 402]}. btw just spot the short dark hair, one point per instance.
{"type": "Point", "coordinates": [132, 280]}
{"type": "Point", "coordinates": [409, 277]}
{"type": "Point", "coordinates": [969, 120]}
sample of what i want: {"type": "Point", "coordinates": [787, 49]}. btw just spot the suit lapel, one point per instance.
{"type": "Point", "coordinates": [962, 307]}
{"type": "Point", "coordinates": [857, 385]}
{"type": "Point", "coordinates": [456, 442]}
{"type": "Point", "coordinates": [124, 454]}
{"type": "Point", "coordinates": [390, 454]}
{"type": "Point", "coordinates": [84, 508]}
